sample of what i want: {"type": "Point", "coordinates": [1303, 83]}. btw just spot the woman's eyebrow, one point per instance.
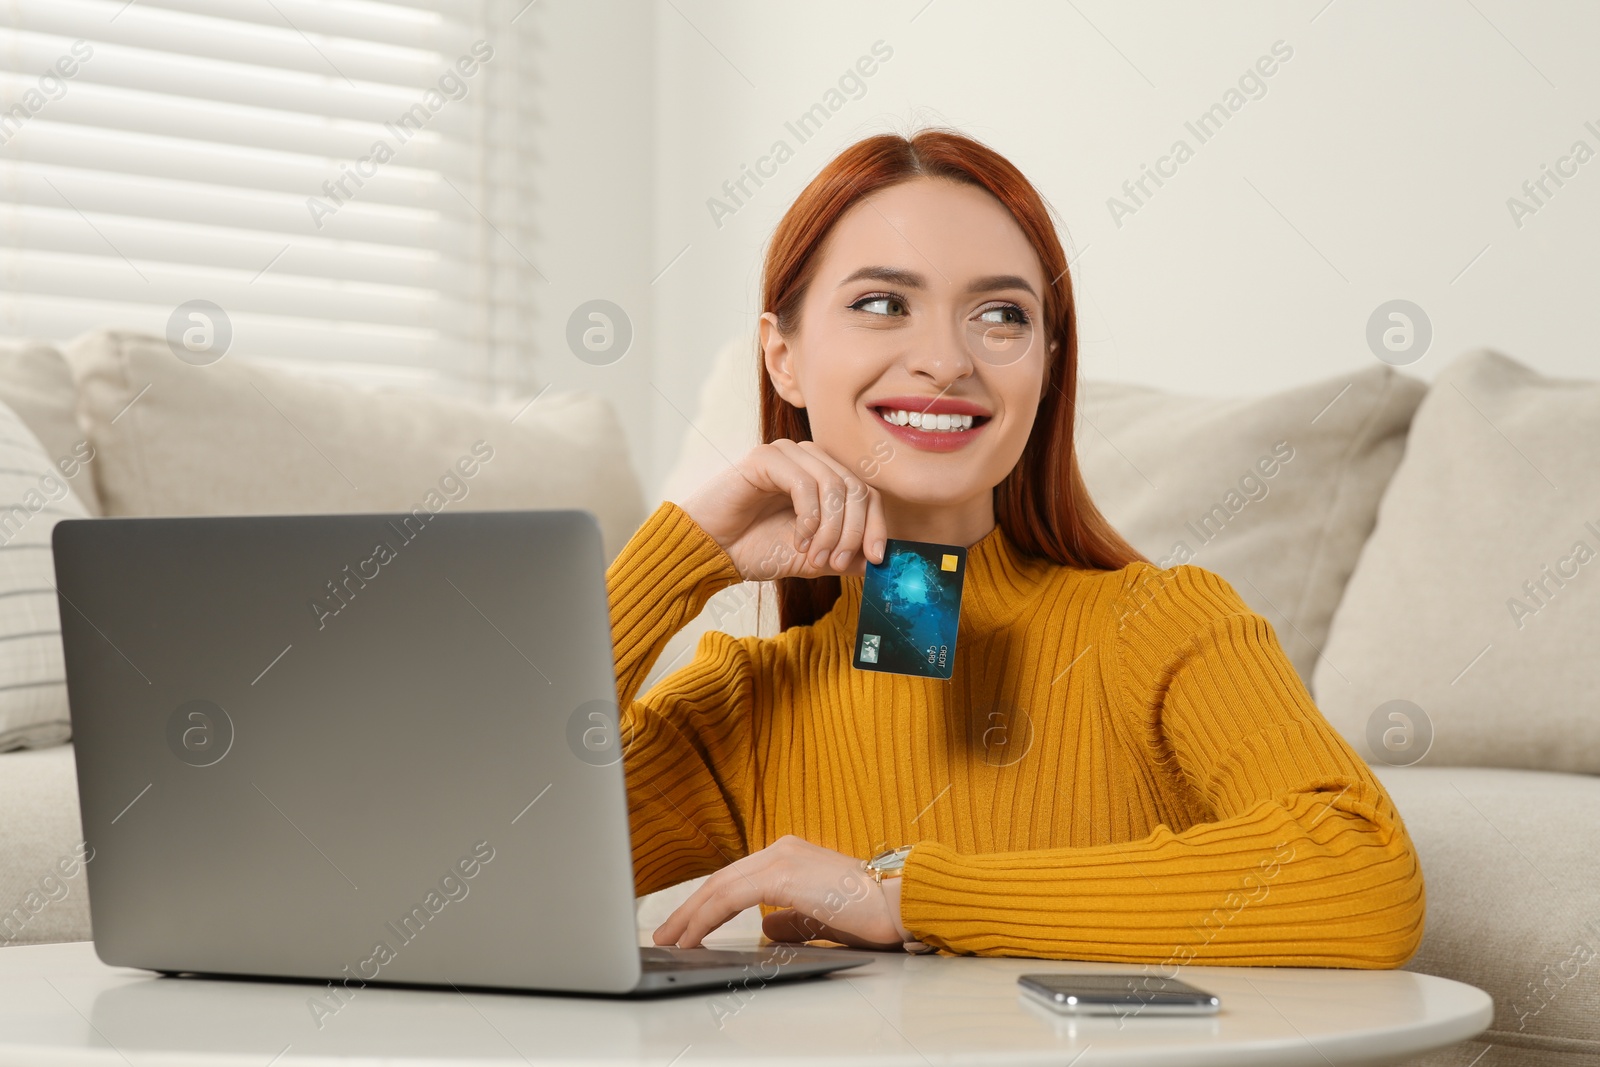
{"type": "Point", "coordinates": [910, 279]}
{"type": "Point", "coordinates": [1001, 281]}
{"type": "Point", "coordinates": [894, 275]}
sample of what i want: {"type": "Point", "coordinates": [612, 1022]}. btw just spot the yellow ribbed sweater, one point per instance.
{"type": "Point", "coordinates": [1124, 767]}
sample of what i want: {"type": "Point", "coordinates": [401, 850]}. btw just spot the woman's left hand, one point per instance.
{"type": "Point", "coordinates": [822, 894]}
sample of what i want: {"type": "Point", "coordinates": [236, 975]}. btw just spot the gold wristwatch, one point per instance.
{"type": "Point", "coordinates": [890, 863]}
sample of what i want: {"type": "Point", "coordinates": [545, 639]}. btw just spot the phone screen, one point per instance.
{"type": "Point", "coordinates": [1121, 994]}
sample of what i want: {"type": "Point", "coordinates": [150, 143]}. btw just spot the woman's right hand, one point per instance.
{"type": "Point", "coordinates": [789, 510]}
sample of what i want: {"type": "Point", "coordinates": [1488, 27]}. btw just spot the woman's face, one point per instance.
{"type": "Point", "coordinates": [925, 306]}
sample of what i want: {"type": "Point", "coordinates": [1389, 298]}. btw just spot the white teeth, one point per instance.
{"type": "Point", "coordinates": [930, 423]}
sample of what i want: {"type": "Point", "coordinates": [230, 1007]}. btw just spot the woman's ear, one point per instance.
{"type": "Point", "coordinates": [778, 356]}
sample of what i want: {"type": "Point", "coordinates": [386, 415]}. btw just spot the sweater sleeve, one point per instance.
{"type": "Point", "coordinates": [1299, 858]}
{"type": "Point", "coordinates": [686, 746]}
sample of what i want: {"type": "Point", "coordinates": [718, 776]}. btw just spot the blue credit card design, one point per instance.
{"type": "Point", "coordinates": [910, 607]}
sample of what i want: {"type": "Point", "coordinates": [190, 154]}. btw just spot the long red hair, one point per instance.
{"type": "Point", "coordinates": [1042, 505]}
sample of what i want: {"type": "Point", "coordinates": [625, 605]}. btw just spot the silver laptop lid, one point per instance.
{"type": "Point", "coordinates": [353, 747]}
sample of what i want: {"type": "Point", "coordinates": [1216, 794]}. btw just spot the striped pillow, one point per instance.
{"type": "Point", "coordinates": [33, 497]}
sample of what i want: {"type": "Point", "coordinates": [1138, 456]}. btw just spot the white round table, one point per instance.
{"type": "Point", "coordinates": [60, 1005]}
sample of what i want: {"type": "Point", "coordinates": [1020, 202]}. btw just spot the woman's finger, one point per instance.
{"type": "Point", "coordinates": [782, 472]}
{"type": "Point", "coordinates": [830, 501]}
{"type": "Point", "coordinates": [791, 489]}
{"type": "Point", "coordinates": [731, 898]}
{"type": "Point", "coordinates": [876, 536]}
{"type": "Point", "coordinates": [696, 915]}
{"type": "Point", "coordinates": [853, 507]}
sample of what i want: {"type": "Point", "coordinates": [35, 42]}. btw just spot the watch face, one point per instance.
{"type": "Point", "coordinates": [892, 860]}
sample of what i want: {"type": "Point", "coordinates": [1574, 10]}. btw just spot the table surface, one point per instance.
{"type": "Point", "coordinates": [60, 1005]}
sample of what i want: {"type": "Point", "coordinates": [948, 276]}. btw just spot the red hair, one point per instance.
{"type": "Point", "coordinates": [1042, 504]}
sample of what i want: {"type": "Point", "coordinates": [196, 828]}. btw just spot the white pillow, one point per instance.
{"type": "Point", "coordinates": [240, 437]}
{"type": "Point", "coordinates": [33, 498]}
{"type": "Point", "coordinates": [1477, 598]}
{"type": "Point", "coordinates": [37, 384]}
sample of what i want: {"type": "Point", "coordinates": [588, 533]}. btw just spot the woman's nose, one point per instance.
{"type": "Point", "coordinates": [941, 355]}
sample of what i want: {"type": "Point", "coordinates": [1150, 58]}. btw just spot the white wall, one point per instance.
{"type": "Point", "coordinates": [593, 176]}
{"type": "Point", "coordinates": [1377, 166]}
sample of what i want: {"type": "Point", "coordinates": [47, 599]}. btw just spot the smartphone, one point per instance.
{"type": "Point", "coordinates": [1118, 994]}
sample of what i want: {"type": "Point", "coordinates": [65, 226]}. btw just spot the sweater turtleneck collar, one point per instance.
{"type": "Point", "coordinates": [1001, 581]}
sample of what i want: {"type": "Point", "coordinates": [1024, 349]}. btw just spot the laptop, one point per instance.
{"type": "Point", "coordinates": [362, 748]}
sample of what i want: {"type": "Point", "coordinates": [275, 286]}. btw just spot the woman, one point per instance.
{"type": "Point", "coordinates": [1124, 765]}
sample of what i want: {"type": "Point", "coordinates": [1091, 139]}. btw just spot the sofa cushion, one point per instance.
{"type": "Point", "coordinates": [1477, 598]}
{"type": "Point", "coordinates": [44, 895]}
{"type": "Point", "coordinates": [726, 426]}
{"type": "Point", "coordinates": [726, 419]}
{"type": "Point", "coordinates": [33, 497]}
{"type": "Point", "coordinates": [36, 383]}
{"type": "Point", "coordinates": [1275, 493]}
{"type": "Point", "coordinates": [1513, 887]}
{"type": "Point", "coordinates": [237, 437]}
{"type": "Point", "coordinates": [1183, 478]}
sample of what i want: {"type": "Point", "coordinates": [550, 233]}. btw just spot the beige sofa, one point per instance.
{"type": "Point", "coordinates": [1382, 525]}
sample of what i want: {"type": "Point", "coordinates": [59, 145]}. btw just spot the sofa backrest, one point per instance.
{"type": "Point", "coordinates": [238, 437]}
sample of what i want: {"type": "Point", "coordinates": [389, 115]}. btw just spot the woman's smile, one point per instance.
{"type": "Point", "coordinates": [930, 424]}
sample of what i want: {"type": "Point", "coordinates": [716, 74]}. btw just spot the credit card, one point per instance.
{"type": "Point", "coordinates": [910, 606]}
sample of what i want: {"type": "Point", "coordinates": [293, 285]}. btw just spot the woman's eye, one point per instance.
{"type": "Point", "coordinates": [1005, 315]}
{"type": "Point", "coordinates": [880, 305]}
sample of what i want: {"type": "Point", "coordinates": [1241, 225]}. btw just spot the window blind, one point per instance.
{"type": "Point", "coordinates": [341, 177]}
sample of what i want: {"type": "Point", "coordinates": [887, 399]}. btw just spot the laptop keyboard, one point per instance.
{"type": "Point", "coordinates": [690, 959]}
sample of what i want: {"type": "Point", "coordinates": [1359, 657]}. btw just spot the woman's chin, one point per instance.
{"type": "Point", "coordinates": [928, 497]}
